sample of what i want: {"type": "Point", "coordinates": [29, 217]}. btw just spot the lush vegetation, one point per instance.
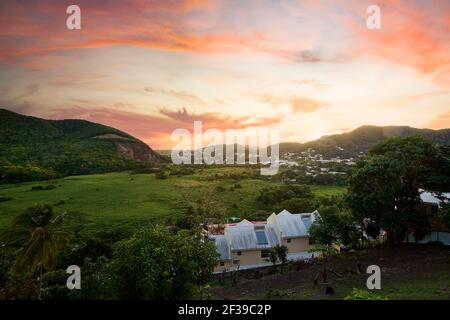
{"type": "Point", "coordinates": [138, 234]}
{"type": "Point", "coordinates": [155, 263]}
{"type": "Point", "coordinates": [37, 149]}
{"type": "Point", "coordinates": [116, 204]}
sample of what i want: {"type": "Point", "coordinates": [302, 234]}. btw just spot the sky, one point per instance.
{"type": "Point", "coordinates": [308, 68]}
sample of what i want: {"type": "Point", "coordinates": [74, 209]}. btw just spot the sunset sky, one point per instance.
{"type": "Point", "coordinates": [306, 67]}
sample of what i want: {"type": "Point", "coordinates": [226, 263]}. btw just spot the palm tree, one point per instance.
{"type": "Point", "coordinates": [35, 232]}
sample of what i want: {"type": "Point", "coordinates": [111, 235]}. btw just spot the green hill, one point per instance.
{"type": "Point", "coordinates": [351, 143]}
{"type": "Point", "coordinates": [65, 147]}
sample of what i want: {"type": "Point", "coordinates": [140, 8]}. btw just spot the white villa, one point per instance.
{"type": "Point", "coordinates": [245, 245]}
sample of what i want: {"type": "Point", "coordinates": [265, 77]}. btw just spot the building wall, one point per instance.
{"type": "Point", "coordinates": [227, 266]}
{"type": "Point", "coordinates": [297, 244]}
{"type": "Point", "coordinates": [248, 257]}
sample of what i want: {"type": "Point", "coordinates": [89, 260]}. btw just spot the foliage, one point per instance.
{"type": "Point", "coordinates": [19, 173]}
{"type": "Point", "coordinates": [90, 248]}
{"type": "Point", "coordinates": [40, 149]}
{"type": "Point", "coordinates": [362, 294]}
{"type": "Point", "coordinates": [200, 214]}
{"type": "Point", "coordinates": [116, 206]}
{"type": "Point", "coordinates": [36, 234]}
{"type": "Point", "coordinates": [334, 228]}
{"type": "Point", "coordinates": [278, 253]}
{"type": "Point", "coordinates": [161, 174]}
{"type": "Point", "coordinates": [19, 288]}
{"type": "Point", "coordinates": [156, 264]}
{"type": "Point", "coordinates": [384, 191]}
{"type": "Point", "coordinates": [276, 197]}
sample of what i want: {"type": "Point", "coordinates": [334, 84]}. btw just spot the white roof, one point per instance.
{"type": "Point", "coordinates": [294, 225]}
{"type": "Point", "coordinates": [242, 236]}
{"type": "Point", "coordinates": [222, 247]}
{"type": "Point", "coordinates": [431, 197]}
{"type": "Point", "coordinates": [246, 235]}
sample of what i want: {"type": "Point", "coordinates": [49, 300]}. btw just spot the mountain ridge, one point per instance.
{"type": "Point", "coordinates": [68, 146]}
{"type": "Point", "coordinates": [362, 139]}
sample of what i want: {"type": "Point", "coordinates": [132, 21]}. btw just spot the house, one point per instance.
{"type": "Point", "coordinates": [432, 202]}
{"type": "Point", "coordinates": [246, 244]}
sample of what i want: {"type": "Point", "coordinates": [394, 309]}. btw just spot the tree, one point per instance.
{"type": "Point", "coordinates": [36, 234]}
{"type": "Point", "coordinates": [278, 253]}
{"type": "Point", "coordinates": [373, 192]}
{"type": "Point", "coordinates": [331, 230]}
{"type": "Point", "coordinates": [273, 257]}
{"type": "Point", "coordinates": [281, 252]}
{"type": "Point", "coordinates": [201, 213]}
{"type": "Point", "coordinates": [385, 190]}
{"type": "Point", "coordinates": [158, 264]}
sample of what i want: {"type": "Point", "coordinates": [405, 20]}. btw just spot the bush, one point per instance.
{"type": "Point", "coordinates": [41, 187]}
{"type": "Point", "coordinates": [361, 294]}
{"type": "Point", "coordinates": [161, 175]}
{"type": "Point", "coordinates": [144, 266]}
{"type": "Point", "coordinates": [220, 189]}
{"type": "Point", "coordinates": [16, 173]}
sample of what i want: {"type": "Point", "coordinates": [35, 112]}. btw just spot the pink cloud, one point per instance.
{"type": "Point", "coordinates": [156, 129]}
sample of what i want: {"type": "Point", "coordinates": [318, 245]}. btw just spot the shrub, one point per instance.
{"type": "Point", "coordinates": [42, 187]}
{"type": "Point", "coordinates": [161, 175]}
{"type": "Point", "coordinates": [361, 294]}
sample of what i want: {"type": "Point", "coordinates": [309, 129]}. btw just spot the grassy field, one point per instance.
{"type": "Point", "coordinates": [124, 200]}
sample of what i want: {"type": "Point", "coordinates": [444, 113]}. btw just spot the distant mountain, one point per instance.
{"type": "Point", "coordinates": [68, 146]}
{"type": "Point", "coordinates": [350, 144]}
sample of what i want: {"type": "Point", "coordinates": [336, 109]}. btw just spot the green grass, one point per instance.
{"type": "Point", "coordinates": [128, 200]}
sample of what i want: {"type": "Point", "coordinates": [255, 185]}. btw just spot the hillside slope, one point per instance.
{"type": "Point", "coordinates": [350, 144]}
{"type": "Point", "coordinates": [68, 146]}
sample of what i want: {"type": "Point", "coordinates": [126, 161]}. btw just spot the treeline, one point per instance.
{"type": "Point", "coordinates": [12, 173]}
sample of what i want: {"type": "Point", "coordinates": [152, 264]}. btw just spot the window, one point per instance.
{"type": "Point", "coordinates": [222, 263]}
{"type": "Point", "coordinates": [261, 237]}
{"type": "Point", "coordinates": [264, 253]}
{"type": "Point", "coordinates": [311, 241]}
{"type": "Point", "coordinates": [239, 253]}
{"type": "Point", "coordinates": [288, 240]}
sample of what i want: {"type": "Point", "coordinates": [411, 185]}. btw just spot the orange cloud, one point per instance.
{"type": "Point", "coordinates": [409, 35]}
{"type": "Point", "coordinates": [305, 105]}
{"type": "Point", "coordinates": [442, 121]}
{"type": "Point", "coordinates": [297, 104]}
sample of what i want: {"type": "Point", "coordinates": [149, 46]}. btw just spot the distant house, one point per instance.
{"type": "Point", "coordinates": [246, 244]}
{"type": "Point", "coordinates": [432, 202]}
